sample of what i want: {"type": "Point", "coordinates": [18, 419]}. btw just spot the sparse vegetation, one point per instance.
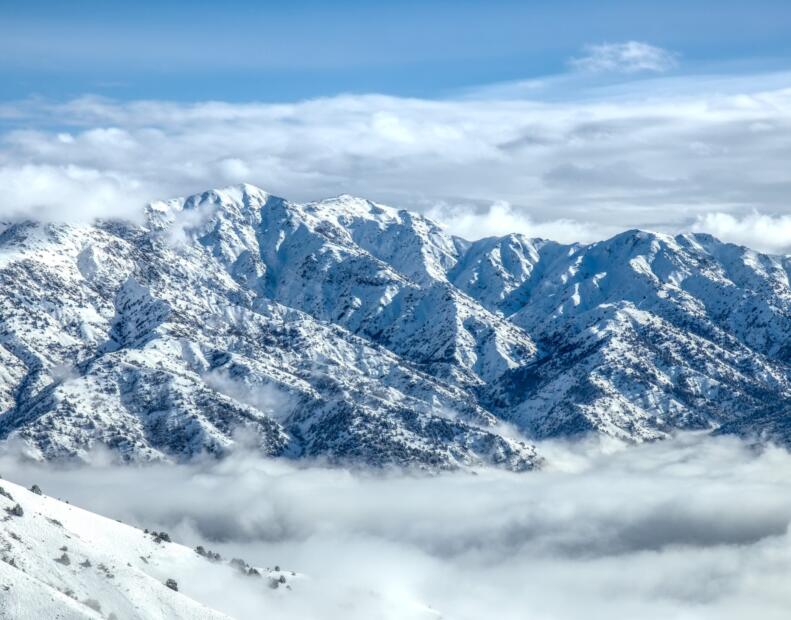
{"type": "Point", "coordinates": [210, 555]}
{"type": "Point", "coordinates": [64, 559]}
{"type": "Point", "coordinates": [160, 537]}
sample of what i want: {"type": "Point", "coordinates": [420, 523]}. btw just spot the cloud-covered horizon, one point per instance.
{"type": "Point", "coordinates": [574, 170]}
{"type": "Point", "coordinates": [693, 527]}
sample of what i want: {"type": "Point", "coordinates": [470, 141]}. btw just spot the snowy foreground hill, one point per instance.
{"type": "Point", "coordinates": [348, 330]}
{"type": "Point", "coordinates": [58, 561]}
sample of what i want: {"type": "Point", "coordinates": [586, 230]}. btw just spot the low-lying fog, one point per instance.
{"type": "Point", "coordinates": [690, 528]}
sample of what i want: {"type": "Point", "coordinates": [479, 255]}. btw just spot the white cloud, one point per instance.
{"type": "Point", "coordinates": [629, 57]}
{"type": "Point", "coordinates": [762, 232]}
{"type": "Point", "coordinates": [689, 528]}
{"type": "Point", "coordinates": [234, 170]}
{"type": "Point", "coordinates": [500, 218]}
{"type": "Point", "coordinates": [263, 396]}
{"type": "Point", "coordinates": [564, 169]}
{"type": "Point", "coordinates": [66, 192]}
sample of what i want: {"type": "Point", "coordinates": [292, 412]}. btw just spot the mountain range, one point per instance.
{"type": "Point", "coordinates": [349, 331]}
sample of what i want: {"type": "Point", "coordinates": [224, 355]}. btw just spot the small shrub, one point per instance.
{"type": "Point", "coordinates": [161, 537]}
{"type": "Point", "coordinates": [16, 511]}
{"type": "Point", "coordinates": [210, 555]}
{"type": "Point", "coordinates": [63, 559]}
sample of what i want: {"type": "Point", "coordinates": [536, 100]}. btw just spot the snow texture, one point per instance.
{"type": "Point", "coordinates": [350, 331]}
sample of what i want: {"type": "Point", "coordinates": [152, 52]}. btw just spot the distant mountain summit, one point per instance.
{"type": "Point", "coordinates": [348, 330]}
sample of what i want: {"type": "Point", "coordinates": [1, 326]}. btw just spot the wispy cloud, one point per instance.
{"type": "Point", "coordinates": [629, 57]}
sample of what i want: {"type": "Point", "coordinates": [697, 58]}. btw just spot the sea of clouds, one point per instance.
{"type": "Point", "coordinates": [667, 153]}
{"type": "Point", "coordinates": [690, 528]}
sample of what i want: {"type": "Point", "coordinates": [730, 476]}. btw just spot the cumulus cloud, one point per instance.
{"type": "Point", "coordinates": [762, 232]}
{"type": "Point", "coordinates": [629, 57]}
{"type": "Point", "coordinates": [583, 168]}
{"type": "Point", "coordinates": [694, 527]}
{"type": "Point", "coordinates": [501, 218]}
{"type": "Point", "coordinates": [67, 192]}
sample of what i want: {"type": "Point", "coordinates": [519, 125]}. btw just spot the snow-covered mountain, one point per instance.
{"type": "Point", "coordinates": [58, 561]}
{"type": "Point", "coordinates": [345, 329]}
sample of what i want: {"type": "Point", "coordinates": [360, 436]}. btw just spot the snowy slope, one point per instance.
{"type": "Point", "coordinates": [350, 330]}
{"type": "Point", "coordinates": [59, 561]}
{"type": "Point", "coordinates": [165, 342]}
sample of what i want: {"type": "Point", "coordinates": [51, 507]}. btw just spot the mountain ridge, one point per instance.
{"type": "Point", "coordinates": [349, 330]}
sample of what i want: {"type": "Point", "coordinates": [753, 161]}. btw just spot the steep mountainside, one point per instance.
{"type": "Point", "coordinates": [349, 330]}
{"type": "Point", "coordinates": [58, 561]}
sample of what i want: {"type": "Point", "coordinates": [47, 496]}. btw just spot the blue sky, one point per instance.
{"type": "Point", "coordinates": [286, 51]}
{"type": "Point", "coordinates": [567, 119]}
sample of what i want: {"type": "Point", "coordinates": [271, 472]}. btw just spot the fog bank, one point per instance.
{"type": "Point", "coordinates": [690, 528]}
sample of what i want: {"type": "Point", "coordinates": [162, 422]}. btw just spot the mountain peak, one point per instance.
{"type": "Point", "coordinates": [346, 329]}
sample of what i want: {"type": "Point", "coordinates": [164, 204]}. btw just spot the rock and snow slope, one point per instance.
{"type": "Point", "coordinates": [58, 561]}
{"type": "Point", "coordinates": [349, 330]}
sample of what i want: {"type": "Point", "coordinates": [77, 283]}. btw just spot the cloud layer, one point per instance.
{"type": "Point", "coordinates": [615, 158]}
{"type": "Point", "coordinates": [689, 528]}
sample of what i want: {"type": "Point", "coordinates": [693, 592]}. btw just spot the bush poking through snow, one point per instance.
{"type": "Point", "coordinates": [35, 489]}
{"type": "Point", "coordinates": [6, 494]}
{"type": "Point", "coordinates": [244, 568]}
{"type": "Point", "coordinates": [210, 555]}
{"type": "Point", "coordinates": [172, 584]}
{"type": "Point", "coordinates": [16, 511]}
{"type": "Point", "coordinates": [161, 537]}
{"type": "Point", "coordinates": [63, 559]}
